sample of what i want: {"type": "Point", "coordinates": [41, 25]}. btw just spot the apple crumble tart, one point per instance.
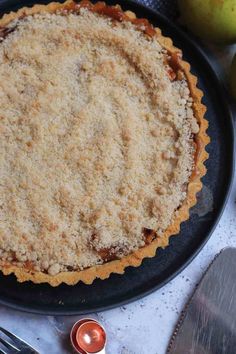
{"type": "Point", "coordinates": [102, 141]}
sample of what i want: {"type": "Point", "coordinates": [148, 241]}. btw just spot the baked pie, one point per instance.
{"type": "Point", "coordinates": [102, 141]}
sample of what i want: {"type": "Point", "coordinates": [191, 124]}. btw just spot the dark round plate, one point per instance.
{"type": "Point", "coordinates": [154, 272]}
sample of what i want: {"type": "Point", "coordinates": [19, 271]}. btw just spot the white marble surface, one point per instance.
{"type": "Point", "coordinates": [145, 326]}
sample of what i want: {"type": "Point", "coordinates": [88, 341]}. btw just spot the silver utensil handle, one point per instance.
{"type": "Point", "coordinates": [103, 351]}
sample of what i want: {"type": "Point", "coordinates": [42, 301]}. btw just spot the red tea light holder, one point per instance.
{"type": "Point", "coordinates": [88, 337]}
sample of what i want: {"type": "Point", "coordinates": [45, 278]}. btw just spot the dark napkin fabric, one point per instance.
{"type": "Point", "coordinates": [168, 8]}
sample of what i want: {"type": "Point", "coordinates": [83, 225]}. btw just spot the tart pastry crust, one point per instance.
{"type": "Point", "coordinates": [201, 139]}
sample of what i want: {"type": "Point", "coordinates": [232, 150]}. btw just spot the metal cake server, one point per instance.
{"type": "Point", "coordinates": [208, 322]}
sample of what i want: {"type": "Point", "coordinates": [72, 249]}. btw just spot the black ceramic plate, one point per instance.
{"type": "Point", "coordinates": [155, 272]}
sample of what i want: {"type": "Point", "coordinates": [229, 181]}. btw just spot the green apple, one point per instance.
{"type": "Point", "coordinates": [232, 77]}
{"type": "Point", "coordinates": [213, 20]}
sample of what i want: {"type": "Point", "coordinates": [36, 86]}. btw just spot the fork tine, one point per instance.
{"type": "Point", "coordinates": [8, 345]}
{"type": "Point", "coordinates": [2, 351]}
{"type": "Point", "coordinates": [19, 342]}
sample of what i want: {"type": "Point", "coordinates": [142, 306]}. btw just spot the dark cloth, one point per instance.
{"type": "Point", "coordinates": [168, 8]}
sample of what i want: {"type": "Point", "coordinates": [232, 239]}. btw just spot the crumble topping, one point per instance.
{"type": "Point", "coordinates": [96, 145]}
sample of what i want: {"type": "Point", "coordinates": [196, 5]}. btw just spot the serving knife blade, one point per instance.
{"type": "Point", "coordinates": [207, 324]}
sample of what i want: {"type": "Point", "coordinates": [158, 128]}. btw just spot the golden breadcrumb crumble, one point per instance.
{"type": "Point", "coordinates": [97, 140]}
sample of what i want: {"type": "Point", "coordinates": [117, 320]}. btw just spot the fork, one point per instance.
{"type": "Point", "coordinates": [17, 347]}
